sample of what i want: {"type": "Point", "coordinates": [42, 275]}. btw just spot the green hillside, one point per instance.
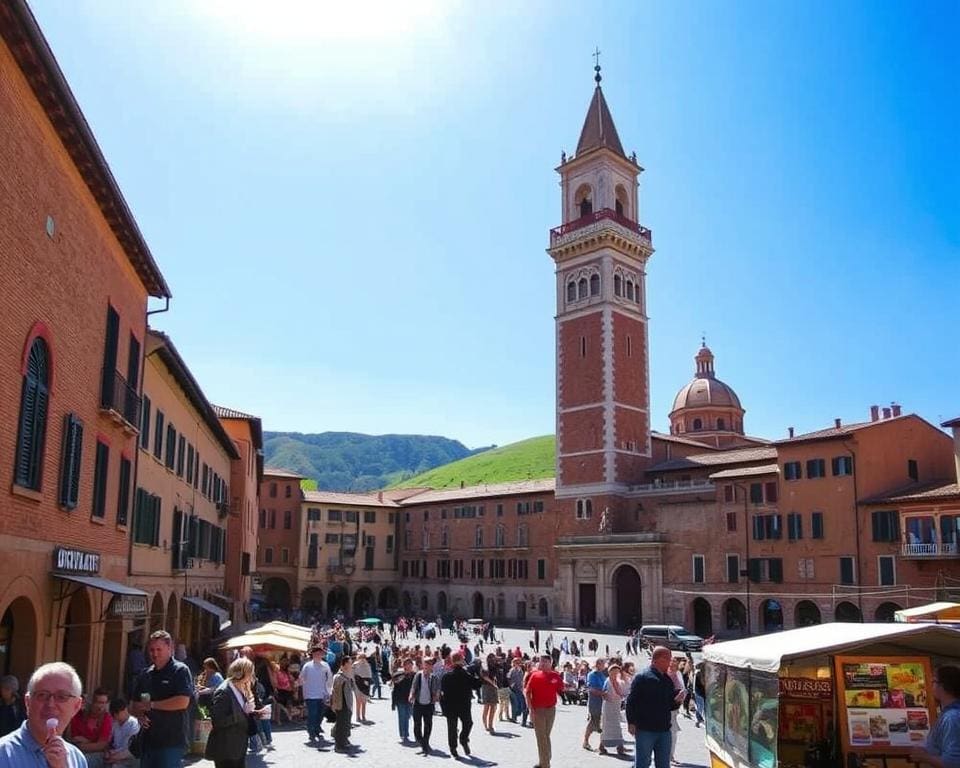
{"type": "Point", "coordinates": [531, 459]}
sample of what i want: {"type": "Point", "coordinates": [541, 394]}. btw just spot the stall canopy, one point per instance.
{"type": "Point", "coordinates": [932, 612]}
{"type": "Point", "coordinates": [282, 628]}
{"type": "Point", "coordinates": [275, 634]}
{"type": "Point", "coordinates": [205, 605]}
{"type": "Point", "coordinates": [767, 653]}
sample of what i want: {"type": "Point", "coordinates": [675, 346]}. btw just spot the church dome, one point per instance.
{"type": "Point", "coordinates": [707, 392]}
{"type": "Point", "coordinates": [706, 404]}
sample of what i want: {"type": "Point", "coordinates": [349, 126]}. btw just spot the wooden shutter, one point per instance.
{"type": "Point", "coordinates": [70, 463]}
{"type": "Point", "coordinates": [758, 525]}
{"type": "Point", "coordinates": [145, 424]}
{"type": "Point", "coordinates": [101, 466]}
{"type": "Point", "coordinates": [754, 567]}
{"type": "Point", "coordinates": [111, 338]}
{"type": "Point", "coordinates": [123, 496]}
{"type": "Point", "coordinates": [775, 566]}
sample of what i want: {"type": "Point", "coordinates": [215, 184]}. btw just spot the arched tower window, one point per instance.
{"type": "Point", "coordinates": [584, 509]}
{"type": "Point", "coordinates": [630, 290]}
{"type": "Point", "coordinates": [34, 398]}
{"type": "Point", "coordinates": [721, 424]}
{"type": "Point", "coordinates": [594, 284]}
{"type": "Point", "coordinates": [571, 291]}
{"type": "Point", "coordinates": [697, 425]}
{"type": "Point", "coordinates": [582, 288]}
{"type": "Point", "coordinates": [617, 285]}
{"type": "Point", "coordinates": [584, 200]}
{"type": "Point", "coordinates": [622, 203]}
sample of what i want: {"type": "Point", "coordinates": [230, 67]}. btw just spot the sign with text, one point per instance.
{"type": "Point", "coordinates": [125, 606]}
{"type": "Point", "coordinates": [806, 688]}
{"type": "Point", "coordinates": [76, 561]}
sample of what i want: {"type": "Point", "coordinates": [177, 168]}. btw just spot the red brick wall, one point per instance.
{"type": "Point", "coordinates": [630, 366]}
{"type": "Point", "coordinates": [580, 379]}
{"type": "Point", "coordinates": [577, 470]}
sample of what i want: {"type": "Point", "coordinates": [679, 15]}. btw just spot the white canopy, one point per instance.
{"type": "Point", "coordinates": [930, 611]}
{"type": "Point", "coordinates": [767, 653]}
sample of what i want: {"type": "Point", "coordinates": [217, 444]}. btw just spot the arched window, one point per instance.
{"type": "Point", "coordinates": [478, 537]}
{"type": "Point", "coordinates": [571, 291]}
{"type": "Point", "coordinates": [523, 535]}
{"type": "Point", "coordinates": [721, 424]}
{"type": "Point", "coordinates": [586, 207]}
{"type": "Point", "coordinates": [630, 290]}
{"type": "Point", "coordinates": [622, 200]}
{"type": "Point", "coordinates": [426, 538]}
{"type": "Point", "coordinates": [617, 285]}
{"type": "Point", "coordinates": [444, 538]}
{"type": "Point", "coordinates": [584, 509]}
{"type": "Point", "coordinates": [543, 608]}
{"type": "Point", "coordinates": [584, 200]}
{"type": "Point", "coordinates": [582, 288]}
{"type": "Point", "coordinates": [34, 399]}
{"type": "Point", "coordinates": [594, 285]}
{"type": "Point", "coordinates": [499, 536]}
{"type": "Point", "coordinates": [619, 208]}
{"type": "Point", "coordinates": [697, 425]}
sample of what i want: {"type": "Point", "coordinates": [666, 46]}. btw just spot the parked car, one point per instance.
{"type": "Point", "coordinates": [673, 636]}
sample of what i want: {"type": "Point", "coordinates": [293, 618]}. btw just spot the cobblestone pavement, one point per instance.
{"type": "Point", "coordinates": [378, 744]}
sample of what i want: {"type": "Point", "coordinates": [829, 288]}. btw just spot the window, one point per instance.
{"type": "Point", "coordinates": [697, 424]}
{"type": "Point", "coordinates": [370, 516]}
{"type": "Point", "coordinates": [630, 290]}
{"type": "Point", "coordinates": [766, 569]}
{"type": "Point", "coordinates": [584, 509]}
{"type": "Point", "coordinates": [913, 470]}
{"type": "Point", "coordinates": [766, 527]}
{"type": "Point", "coordinates": [287, 519]}
{"type": "Point", "coordinates": [571, 291]}
{"type": "Point", "coordinates": [582, 288]}
{"type": "Point", "coordinates": [284, 555]}
{"type": "Point", "coordinates": [583, 346]}
{"type": "Point", "coordinates": [390, 544]}
{"type": "Point", "coordinates": [728, 493]}
{"type": "Point", "coordinates": [100, 468]}
{"type": "Point", "coordinates": [886, 571]}
{"type": "Point", "coordinates": [273, 490]}
{"type": "Point", "coordinates": [146, 518]}
{"type": "Point", "coordinates": [334, 515]}
{"type": "Point", "coordinates": [145, 424]}
{"type": "Point", "coordinates": [34, 398]}
{"type": "Point", "coordinates": [268, 556]}
{"type": "Point", "coordinates": [123, 494]}
{"type": "Point", "coordinates": [594, 284]}
{"type": "Point", "coordinates": [273, 519]}
{"type": "Point", "coordinates": [287, 491]}
{"type": "Point", "coordinates": [733, 569]}
{"type": "Point", "coordinates": [538, 506]}
{"type": "Point", "coordinates": [698, 569]}
{"type": "Point", "coordinates": [817, 525]}
{"type": "Point", "coordinates": [181, 454]}
{"type": "Point", "coordinates": [158, 435]}
{"type": "Point", "coordinates": [191, 458]}
{"type": "Point", "coordinates": [70, 464]}
{"type": "Point", "coordinates": [792, 470]}
{"type": "Point", "coordinates": [263, 518]}
{"type": "Point", "coordinates": [541, 569]}
{"type": "Point", "coordinates": [313, 515]}
{"type": "Point", "coordinates": [794, 526]}
{"type": "Point", "coordinates": [425, 539]}
{"type": "Point", "coordinates": [731, 522]}
{"type": "Point", "coordinates": [478, 537]}
{"type": "Point", "coordinates": [617, 285]}
{"type": "Point", "coordinates": [332, 538]}
{"type": "Point", "coordinates": [816, 468]}
{"type": "Point", "coordinates": [770, 492]}
{"type": "Point", "coordinates": [847, 575]}
{"type": "Point", "coordinates": [523, 536]}
{"type": "Point", "coordinates": [805, 568]}
{"type": "Point", "coordinates": [350, 515]}
{"type": "Point", "coordinates": [841, 466]}
{"type": "Point", "coordinates": [405, 569]}
{"type": "Point", "coordinates": [629, 346]}
{"type": "Point", "coordinates": [196, 470]}
{"type": "Point", "coordinates": [499, 536]}
{"type": "Point", "coordinates": [499, 510]}
{"type": "Point", "coordinates": [170, 456]}
{"type": "Point", "coordinates": [756, 493]}
{"type": "Point", "coordinates": [721, 424]}
{"type": "Point", "coordinates": [886, 525]}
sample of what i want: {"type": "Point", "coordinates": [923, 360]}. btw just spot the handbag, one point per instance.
{"type": "Point", "coordinates": [135, 747]}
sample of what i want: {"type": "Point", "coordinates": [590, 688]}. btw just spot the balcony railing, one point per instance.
{"type": "Point", "coordinates": [121, 399]}
{"type": "Point", "coordinates": [930, 550]}
{"type": "Point", "coordinates": [603, 214]}
{"type": "Point", "coordinates": [677, 486]}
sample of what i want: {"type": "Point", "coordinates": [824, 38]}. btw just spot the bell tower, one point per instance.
{"type": "Point", "coordinates": [600, 252]}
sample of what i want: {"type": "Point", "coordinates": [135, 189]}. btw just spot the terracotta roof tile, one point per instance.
{"type": "Point", "coordinates": [598, 128]}
{"type": "Point", "coordinates": [229, 413]}
{"type": "Point", "coordinates": [274, 472]}
{"type": "Point", "coordinates": [763, 469]}
{"type": "Point", "coordinates": [717, 458]}
{"type": "Point", "coordinates": [546, 485]}
{"type": "Point", "coordinates": [843, 429]}
{"type": "Point", "coordinates": [678, 439]}
{"type": "Point", "coordinates": [936, 489]}
{"type": "Point", "coordinates": [952, 423]}
{"type": "Point", "coordinates": [350, 499]}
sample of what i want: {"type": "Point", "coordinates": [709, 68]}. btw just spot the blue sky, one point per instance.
{"type": "Point", "coordinates": [351, 201]}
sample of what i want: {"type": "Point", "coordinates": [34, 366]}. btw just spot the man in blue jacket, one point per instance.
{"type": "Point", "coordinates": [652, 698]}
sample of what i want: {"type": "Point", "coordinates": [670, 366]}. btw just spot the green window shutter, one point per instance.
{"type": "Point", "coordinates": [754, 568]}
{"type": "Point", "coordinates": [775, 565]}
{"type": "Point", "coordinates": [123, 494]}
{"type": "Point", "coordinates": [70, 464]}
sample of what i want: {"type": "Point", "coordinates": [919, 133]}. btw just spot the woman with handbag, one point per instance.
{"type": "Point", "coordinates": [230, 714]}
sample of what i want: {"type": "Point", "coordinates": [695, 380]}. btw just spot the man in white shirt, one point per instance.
{"type": "Point", "coordinates": [124, 729]}
{"type": "Point", "coordinates": [316, 680]}
{"type": "Point", "coordinates": [424, 694]}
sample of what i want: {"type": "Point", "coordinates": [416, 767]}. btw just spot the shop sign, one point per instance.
{"type": "Point", "coordinates": [124, 606]}
{"type": "Point", "coordinates": [76, 561]}
{"type": "Point", "coordinates": [806, 688]}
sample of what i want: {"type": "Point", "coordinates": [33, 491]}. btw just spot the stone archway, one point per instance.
{"type": "Point", "coordinates": [477, 606]}
{"type": "Point", "coordinates": [338, 602]}
{"type": "Point", "coordinates": [441, 602]}
{"type": "Point", "coordinates": [885, 612]}
{"type": "Point", "coordinates": [387, 600]}
{"type": "Point", "coordinates": [112, 652]}
{"type": "Point", "coordinates": [76, 632]}
{"type": "Point", "coordinates": [771, 616]}
{"type": "Point", "coordinates": [702, 618]}
{"type": "Point", "coordinates": [156, 613]}
{"type": "Point", "coordinates": [806, 614]}
{"type": "Point", "coordinates": [628, 597]}
{"type": "Point", "coordinates": [311, 600]}
{"type": "Point", "coordinates": [276, 594]}
{"type": "Point", "coordinates": [18, 640]}
{"type": "Point", "coordinates": [847, 612]}
{"type": "Point", "coordinates": [734, 616]}
{"type": "Point", "coordinates": [406, 601]}
{"type": "Point", "coordinates": [173, 611]}
{"type": "Point", "coordinates": [362, 602]}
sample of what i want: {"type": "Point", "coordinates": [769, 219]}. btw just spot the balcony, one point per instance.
{"type": "Point", "coordinates": [604, 214]}
{"type": "Point", "coordinates": [120, 401]}
{"type": "Point", "coordinates": [930, 550]}
{"type": "Point", "coordinates": [677, 486]}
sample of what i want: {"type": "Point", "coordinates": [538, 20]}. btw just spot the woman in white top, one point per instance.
{"type": "Point", "coordinates": [611, 735]}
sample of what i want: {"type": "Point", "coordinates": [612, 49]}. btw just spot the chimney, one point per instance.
{"type": "Point", "coordinates": [379, 495]}
{"type": "Point", "coordinates": [886, 413]}
{"type": "Point", "coordinates": [836, 423]}
{"type": "Point", "coordinates": [790, 431]}
{"type": "Point", "coordinates": [874, 413]}
{"type": "Point", "coordinates": [895, 409]}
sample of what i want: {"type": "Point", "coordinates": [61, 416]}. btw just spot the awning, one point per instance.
{"type": "Point", "coordinates": [266, 641]}
{"type": "Point", "coordinates": [767, 653]}
{"type": "Point", "coordinates": [105, 585]}
{"type": "Point", "coordinates": [930, 612]}
{"type": "Point", "coordinates": [215, 610]}
{"type": "Point", "coordinates": [127, 602]}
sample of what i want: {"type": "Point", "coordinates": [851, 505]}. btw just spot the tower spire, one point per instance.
{"type": "Point", "coordinates": [596, 66]}
{"type": "Point", "coordinates": [598, 128]}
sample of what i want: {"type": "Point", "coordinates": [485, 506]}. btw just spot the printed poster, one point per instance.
{"type": "Point", "coordinates": [715, 678]}
{"type": "Point", "coordinates": [736, 710]}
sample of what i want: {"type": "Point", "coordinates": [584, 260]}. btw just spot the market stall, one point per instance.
{"type": "Point", "coordinates": [817, 695]}
{"type": "Point", "coordinates": [947, 613]}
{"type": "Point", "coordinates": [273, 637]}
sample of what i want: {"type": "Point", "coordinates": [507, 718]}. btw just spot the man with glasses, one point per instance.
{"type": "Point", "coordinates": [52, 700]}
{"type": "Point", "coordinates": [162, 694]}
{"type": "Point", "coordinates": [943, 742]}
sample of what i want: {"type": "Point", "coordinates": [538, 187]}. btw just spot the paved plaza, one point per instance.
{"type": "Point", "coordinates": [378, 744]}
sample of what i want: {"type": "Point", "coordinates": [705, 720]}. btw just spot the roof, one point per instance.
{"type": "Point", "coordinates": [843, 430]}
{"type": "Point", "coordinates": [349, 499]}
{"type": "Point", "coordinates": [546, 485]}
{"type": "Point", "coordinates": [935, 489]}
{"type": "Point", "coordinates": [764, 469]}
{"type": "Point", "coordinates": [717, 458]}
{"type": "Point", "coordinates": [255, 425]}
{"type": "Point", "coordinates": [705, 391]}
{"type": "Point", "coordinates": [678, 439]}
{"type": "Point", "coordinates": [23, 36]}
{"type": "Point", "coordinates": [270, 472]}
{"type": "Point", "coordinates": [399, 494]}
{"type": "Point", "coordinates": [598, 128]}
{"type": "Point", "coordinates": [178, 368]}
{"type": "Point", "coordinates": [929, 611]}
{"type": "Point", "coordinates": [767, 653]}
{"type": "Point", "coordinates": [952, 423]}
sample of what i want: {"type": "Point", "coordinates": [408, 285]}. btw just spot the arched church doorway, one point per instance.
{"type": "Point", "coordinates": [885, 611]}
{"type": "Point", "coordinates": [18, 640]}
{"type": "Point", "coordinates": [628, 597]}
{"type": "Point", "coordinates": [76, 633]}
{"type": "Point", "coordinates": [847, 612]}
{"type": "Point", "coordinates": [806, 614]}
{"type": "Point", "coordinates": [702, 618]}
{"type": "Point", "coordinates": [771, 616]}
